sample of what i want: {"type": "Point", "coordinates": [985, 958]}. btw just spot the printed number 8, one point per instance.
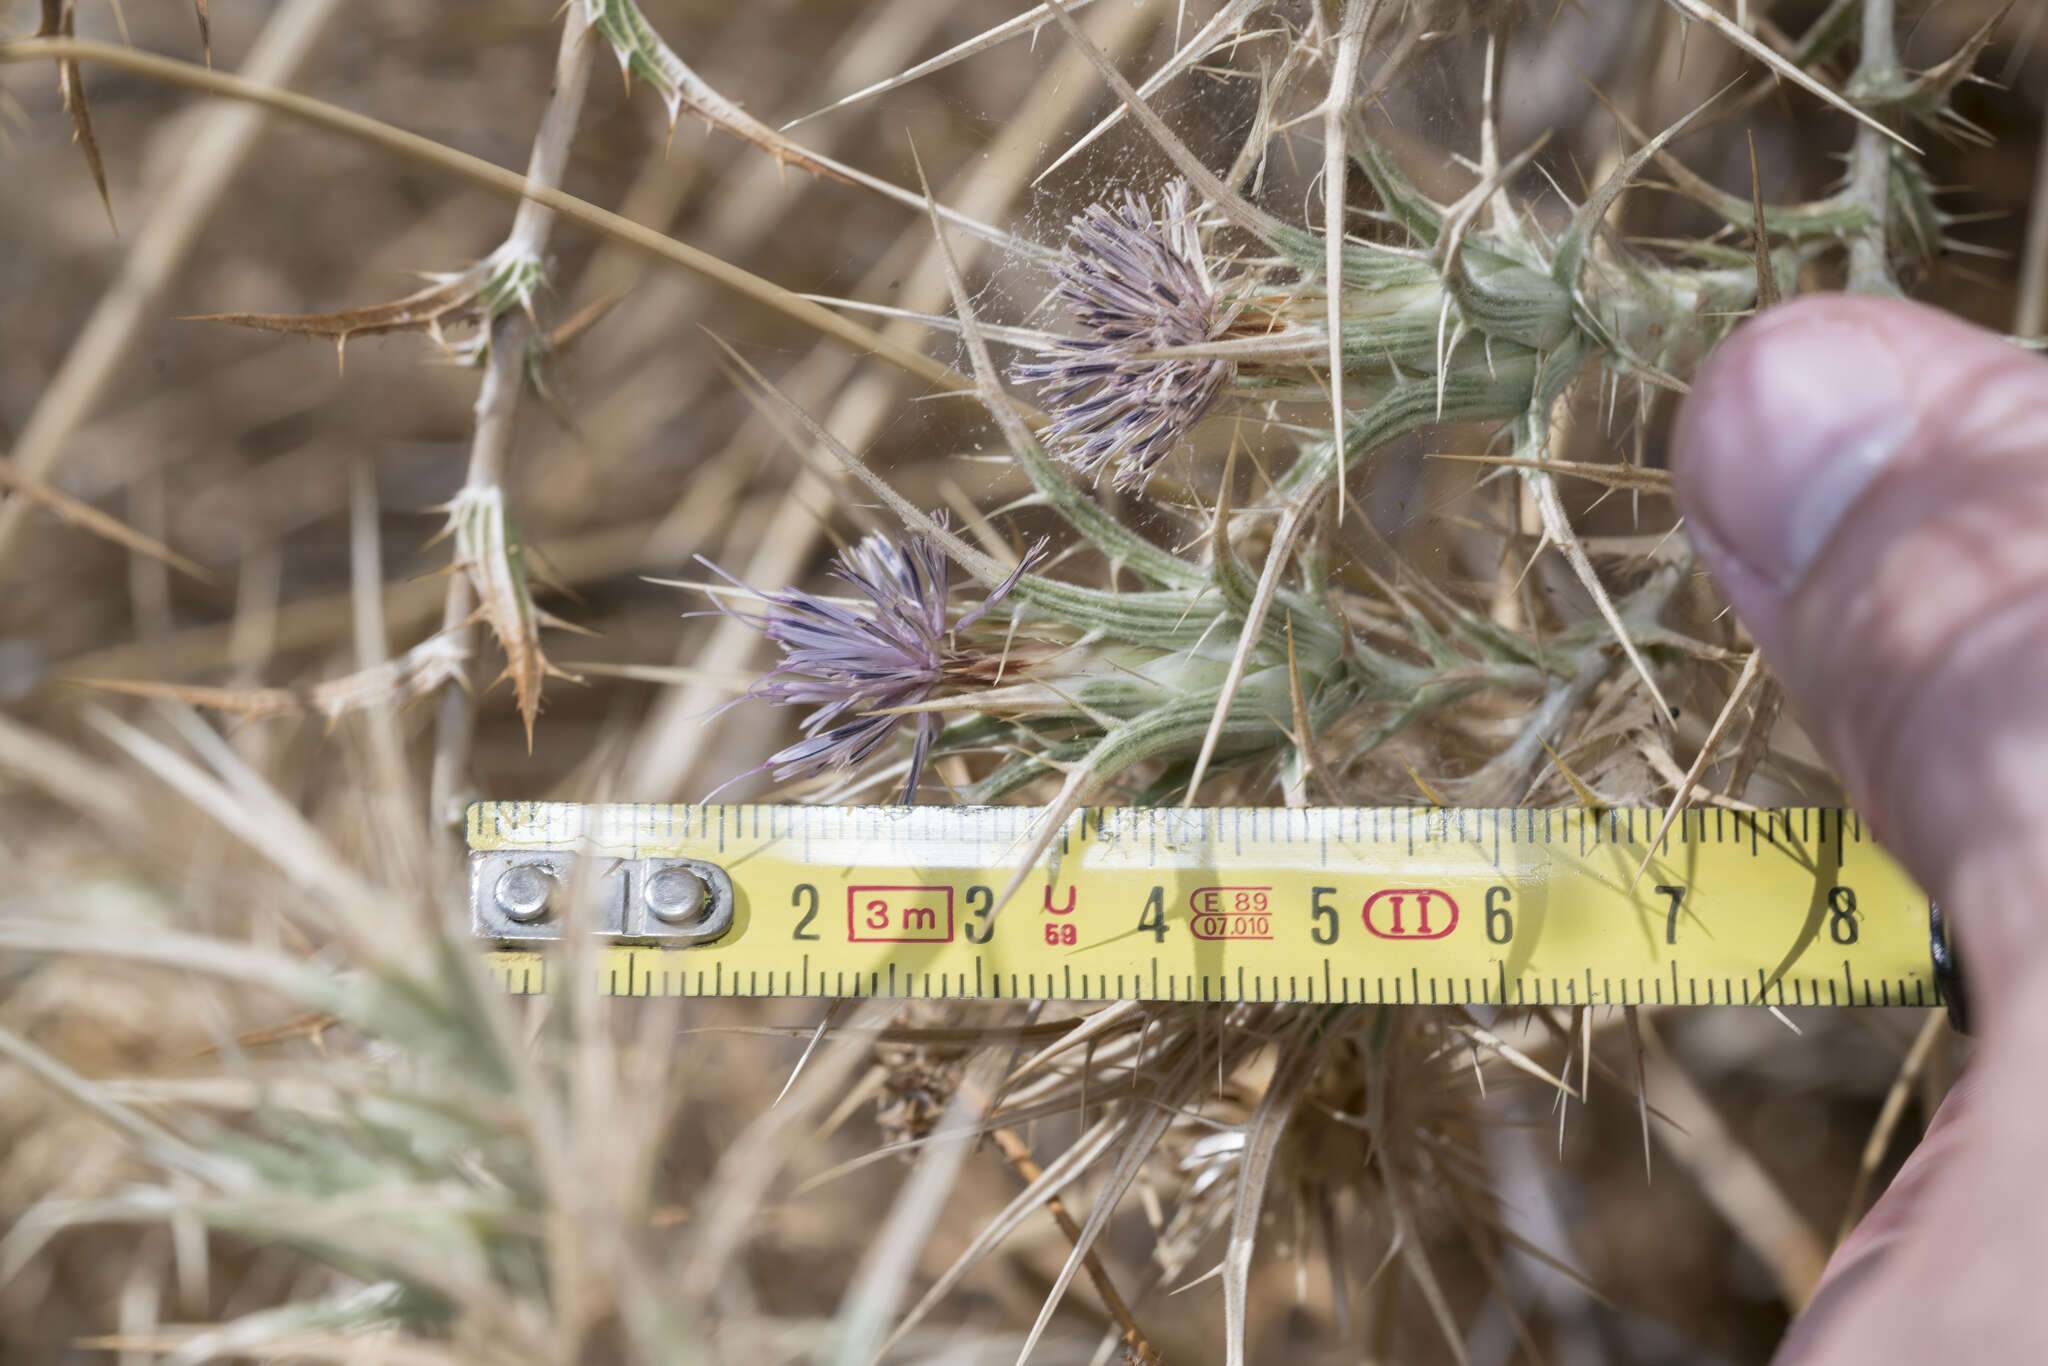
{"type": "Point", "coordinates": [1842, 914]}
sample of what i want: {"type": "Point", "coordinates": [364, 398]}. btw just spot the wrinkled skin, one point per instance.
{"type": "Point", "coordinates": [1868, 482]}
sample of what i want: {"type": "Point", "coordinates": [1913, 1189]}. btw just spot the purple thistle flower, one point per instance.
{"type": "Point", "coordinates": [1134, 282]}
{"type": "Point", "coordinates": [855, 663]}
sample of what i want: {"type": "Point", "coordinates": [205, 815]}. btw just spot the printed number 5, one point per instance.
{"type": "Point", "coordinates": [1323, 911]}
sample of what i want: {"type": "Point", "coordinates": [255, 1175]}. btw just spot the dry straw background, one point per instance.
{"type": "Point", "coordinates": [243, 1086]}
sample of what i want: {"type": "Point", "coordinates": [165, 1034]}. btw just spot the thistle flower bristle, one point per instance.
{"type": "Point", "coordinates": [857, 664]}
{"type": "Point", "coordinates": [1135, 281]}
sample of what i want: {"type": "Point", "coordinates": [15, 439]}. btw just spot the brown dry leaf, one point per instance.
{"type": "Point", "coordinates": [59, 21]}
{"type": "Point", "coordinates": [416, 673]}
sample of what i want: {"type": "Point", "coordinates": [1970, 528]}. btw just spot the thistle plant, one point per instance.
{"type": "Point", "coordinates": [1168, 575]}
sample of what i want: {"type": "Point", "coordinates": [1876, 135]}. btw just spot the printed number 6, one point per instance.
{"type": "Point", "coordinates": [1500, 920]}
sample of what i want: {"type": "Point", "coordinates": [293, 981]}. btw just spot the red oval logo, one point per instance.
{"type": "Point", "coordinates": [1410, 913]}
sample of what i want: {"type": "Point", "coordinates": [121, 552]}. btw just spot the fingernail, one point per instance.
{"type": "Point", "coordinates": [1788, 425]}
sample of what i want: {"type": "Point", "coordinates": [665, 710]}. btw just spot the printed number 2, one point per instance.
{"type": "Point", "coordinates": [1677, 895]}
{"type": "Point", "coordinates": [805, 893]}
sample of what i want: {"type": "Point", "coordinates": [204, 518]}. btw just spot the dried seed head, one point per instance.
{"type": "Point", "coordinates": [857, 662]}
{"type": "Point", "coordinates": [918, 1079]}
{"type": "Point", "coordinates": [1135, 282]}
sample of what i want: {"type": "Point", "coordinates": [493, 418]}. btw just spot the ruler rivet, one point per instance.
{"type": "Point", "coordinates": [674, 895]}
{"type": "Point", "coordinates": [523, 892]}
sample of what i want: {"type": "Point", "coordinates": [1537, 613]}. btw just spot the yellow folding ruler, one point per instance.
{"type": "Point", "coordinates": [1393, 905]}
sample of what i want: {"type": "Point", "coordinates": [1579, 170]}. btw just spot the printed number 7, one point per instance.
{"type": "Point", "coordinates": [1677, 895]}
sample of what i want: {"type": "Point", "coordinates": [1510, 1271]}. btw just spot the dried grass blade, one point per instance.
{"type": "Point", "coordinates": [985, 568]}
{"type": "Point", "coordinates": [1056, 1176]}
{"type": "Point", "coordinates": [476, 170]}
{"type": "Point", "coordinates": [1760, 237]}
{"type": "Point", "coordinates": [1234, 206]}
{"type": "Point", "coordinates": [1888, 1116]}
{"type": "Point", "coordinates": [1138, 1350]}
{"type": "Point", "coordinates": [1230, 19]}
{"type": "Point", "coordinates": [159, 1142]}
{"type": "Point", "coordinates": [417, 673]}
{"type": "Point", "coordinates": [88, 518]}
{"type": "Point", "coordinates": [59, 17]}
{"type": "Point", "coordinates": [1358, 17]}
{"type": "Point", "coordinates": [1752, 669]}
{"type": "Point", "coordinates": [1557, 525]}
{"type": "Point", "coordinates": [1277, 557]}
{"type": "Point", "coordinates": [891, 1256]}
{"type": "Point", "coordinates": [1254, 1169]}
{"type": "Point", "coordinates": [1706, 14]}
{"type": "Point", "coordinates": [1756, 741]}
{"type": "Point", "coordinates": [1732, 1179]}
{"type": "Point", "coordinates": [1619, 475]}
{"type": "Point", "coordinates": [747, 1171]}
{"type": "Point", "coordinates": [981, 42]}
{"type": "Point", "coordinates": [1145, 1136]}
{"type": "Point", "coordinates": [274, 829]}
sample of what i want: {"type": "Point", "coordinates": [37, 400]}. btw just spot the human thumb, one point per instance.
{"type": "Point", "coordinates": [1867, 480]}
